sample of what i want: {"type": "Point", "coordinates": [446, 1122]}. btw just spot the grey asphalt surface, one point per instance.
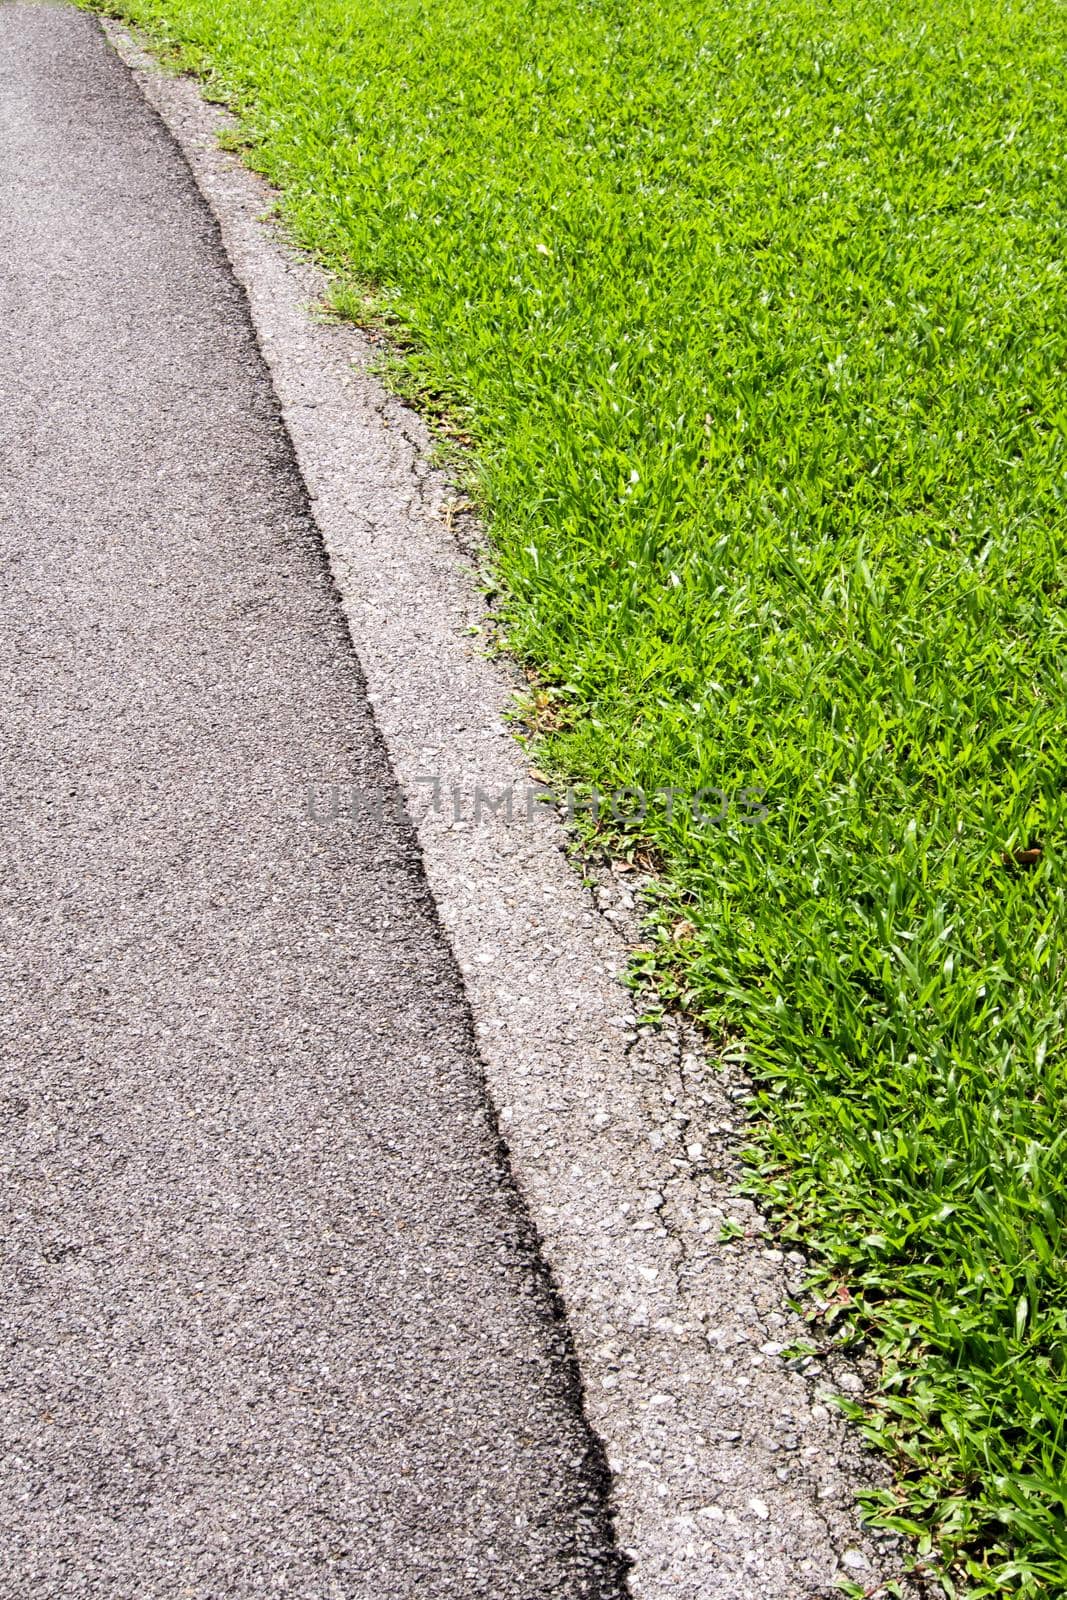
{"type": "Point", "coordinates": [272, 1320]}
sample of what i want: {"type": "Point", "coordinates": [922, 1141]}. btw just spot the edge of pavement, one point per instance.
{"type": "Point", "coordinates": [733, 1475]}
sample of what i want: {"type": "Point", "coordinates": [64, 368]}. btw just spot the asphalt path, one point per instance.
{"type": "Point", "coordinates": [273, 1319]}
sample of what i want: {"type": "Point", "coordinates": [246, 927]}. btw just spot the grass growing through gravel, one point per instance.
{"type": "Point", "coordinates": [756, 314]}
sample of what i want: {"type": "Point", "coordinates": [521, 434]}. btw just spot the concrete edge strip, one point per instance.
{"type": "Point", "coordinates": [732, 1477]}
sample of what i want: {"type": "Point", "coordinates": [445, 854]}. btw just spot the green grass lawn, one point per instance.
{"type": "Point", "coordinates": [756, 315]}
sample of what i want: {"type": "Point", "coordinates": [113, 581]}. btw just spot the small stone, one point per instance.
{"type": "Point", "coordinates": [759, 1507]}
{"type": "Point", "coordinates": [855, 1561]}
